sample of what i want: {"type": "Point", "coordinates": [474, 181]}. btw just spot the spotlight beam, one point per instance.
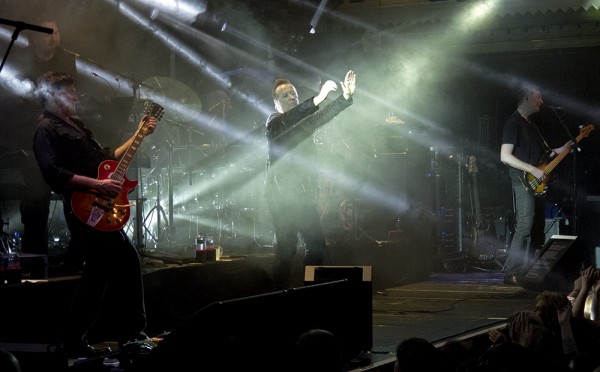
{"type": "Point", "coordinates": [317, 16]}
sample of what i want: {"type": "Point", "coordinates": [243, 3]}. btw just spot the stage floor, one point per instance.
{"type": "Point", "coordinates": [447, 306]}
{"type": "Point", "coordinates": [438, 306]}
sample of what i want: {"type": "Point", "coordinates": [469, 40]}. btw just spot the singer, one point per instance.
{"type": "Point", "coordinates": [523, 146]}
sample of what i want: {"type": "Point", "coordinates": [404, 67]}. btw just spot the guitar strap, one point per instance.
{"type": "Point", "coordinates": [547, 148]}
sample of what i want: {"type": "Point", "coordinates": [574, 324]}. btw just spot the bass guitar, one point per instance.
{"type": "Point", "coordinates": [106, 214]}
{"type": "Point", "coordinates": [538, 186]}
{"type": "Point", "coordinates": [483, 243]}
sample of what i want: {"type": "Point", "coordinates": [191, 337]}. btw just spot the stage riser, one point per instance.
{"type": "Point", "coordinates": [173, 294]}
{"type": "Point", "coordinates": [394, 262]}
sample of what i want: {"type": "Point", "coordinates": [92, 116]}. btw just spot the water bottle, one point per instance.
{"type": "Point", "coordinates": [200, 243]}
{"type": "Point", "coordinates": [200, 249]}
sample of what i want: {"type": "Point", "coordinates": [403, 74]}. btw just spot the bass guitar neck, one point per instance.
{"type": "Point", "coordinates": [538, 186]}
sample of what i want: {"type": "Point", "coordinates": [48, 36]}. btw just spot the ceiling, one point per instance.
{"type": "Point", "coordinates": [511, 25]}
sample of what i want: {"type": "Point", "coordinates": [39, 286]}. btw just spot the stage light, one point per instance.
{"type": "Point", "coordinates": [317, 16]}
{"type": "Point", "coordinates": [154, 13]}
{"type": "Point", "coordinates": [212, 20]}
{"type": "Point", "coordinates": [219, 18]}
{"type": "Point", "coordinates": [184, 10]}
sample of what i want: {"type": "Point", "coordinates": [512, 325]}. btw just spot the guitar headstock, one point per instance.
{"type": "Point", "coordinates": [472, 165]}
{"type": "Point", "coordinates": [585, 131]}
{"type": "Point", "coordinates": [153, 109]}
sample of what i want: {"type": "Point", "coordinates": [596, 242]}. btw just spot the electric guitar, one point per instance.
{"type": "Point", "coordinates": [483, 246]}
{"type": "Point", "coordinates": [538, 186]}
{"type": "Point", "coordinates": [107, 214]}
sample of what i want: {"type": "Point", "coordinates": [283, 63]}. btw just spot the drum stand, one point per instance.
{"type": "Point", "coordinates": [157, 213]}
{"type": "Point", "coordinates": [164, 226]}
{"type": "Point", "coordinates": [359, 232]}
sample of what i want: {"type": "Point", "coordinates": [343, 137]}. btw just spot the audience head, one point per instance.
{"type": "Point", "coordinates": [318, 350]}
{"type": "Point", "coordinates": [546, 305]}
{"type": "Point", "coordinates": [418, 354]}
{"type": "Point", "coordinates": [511, 357]}
{"type": "Point", "coordinates": [527, 329]}
{"type": "Point", "coordinates": [8, 362]}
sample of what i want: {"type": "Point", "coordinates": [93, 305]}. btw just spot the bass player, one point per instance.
{"type": "Point", "coordinates": [522, 147]}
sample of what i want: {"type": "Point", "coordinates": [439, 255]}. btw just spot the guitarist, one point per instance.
{"type": "Point", "coordinates": [522, 147]}
{"type": "Point", "coordinates": [69, 156]}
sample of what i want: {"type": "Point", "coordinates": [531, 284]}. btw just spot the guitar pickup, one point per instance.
{"type": "Point", "coordinates": [106, 205]}
{"type": "Point", "coordinates": [124, 205]}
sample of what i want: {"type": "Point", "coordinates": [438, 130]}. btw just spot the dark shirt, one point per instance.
{"type": "Point", "coordinates": [290, 147]}
{"type": "Point", "coordinates": [63, 150]}
{"type": "Point", "coordinates": [284, 131]}
{"type": "Point", "coordinates": [526, 138]}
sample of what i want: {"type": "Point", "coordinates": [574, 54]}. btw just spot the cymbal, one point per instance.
{"type": "Point", "coordinates": [178, 99]}
{"type": "Point", "coordinates": [394, 120]}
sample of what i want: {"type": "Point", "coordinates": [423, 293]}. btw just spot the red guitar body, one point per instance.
{"type": "Point", "coordinates": [102, 213]}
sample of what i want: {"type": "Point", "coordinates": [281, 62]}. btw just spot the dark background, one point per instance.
{"type": "Point", "coordinates": [454, 100]}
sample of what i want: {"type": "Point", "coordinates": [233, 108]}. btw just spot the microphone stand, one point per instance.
{"type": "Point", "coordinates": [574, 168]}
{"type": "Point", "coordinates": [20, 26]}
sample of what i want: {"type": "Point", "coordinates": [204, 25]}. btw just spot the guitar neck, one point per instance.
{"type": "Point", "coordinates": [550, 167]}
{"type": "Point", "coordinates": [130, 152]}
{"type": "Point", "coordinates": [583, 132]}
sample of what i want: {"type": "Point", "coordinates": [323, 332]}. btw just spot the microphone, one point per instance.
{"type": "Point", "coordinates": [26, 26]}
{"type": "Point", "coordinates": [555, 108]}
{"type": "Point", "coordinates": [108, 99]}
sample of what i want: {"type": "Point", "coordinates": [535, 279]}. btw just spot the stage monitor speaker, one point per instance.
{"type": "Point", "coordinates": [259, 332]}
{"type": "Point", "coordinates": [551, 228]}
{"type": "Point", "coordinates": [556, 266]}
{"type": "Point", "coordinates": [360, 338]}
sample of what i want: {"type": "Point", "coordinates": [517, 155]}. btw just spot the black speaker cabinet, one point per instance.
{"type": "Point", "coordinates": [360, 337]}
{"type": "Point", "coordinates": [260, 332]}
{"type": "Point", "coordinates": [556, 266]}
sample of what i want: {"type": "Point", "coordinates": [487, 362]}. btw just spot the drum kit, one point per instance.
{"type": "Point", "coordinates": [367, 170]}
{"type": "Point", "coordinates": [190, 187]}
